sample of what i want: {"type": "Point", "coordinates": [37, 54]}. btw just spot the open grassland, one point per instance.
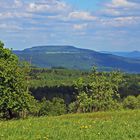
{"type": "Point", "coordinates": [123, 125]}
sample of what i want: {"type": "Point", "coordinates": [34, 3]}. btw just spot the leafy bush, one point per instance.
{"type": "Point", "coordinates": [52, 108]}
{"type": "Point", "coordinates": [138, 98]}
{"type": "Point", "coordinates": [72, 108]}
{"type": "Point", "coordinates": [101, 93]}
{"type": "Point", "coordinates": [85, 102]}
{"type": "Point", "coordinates": [131, 102]}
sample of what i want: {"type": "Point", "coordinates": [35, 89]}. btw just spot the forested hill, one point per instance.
{"type": "Point", "coordinates": [76, 58]}
{"type": "Point", "coordinates": [133, 54]}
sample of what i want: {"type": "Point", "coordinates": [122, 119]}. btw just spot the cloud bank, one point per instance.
{"type": "Point", "coordinates": [114, 26]}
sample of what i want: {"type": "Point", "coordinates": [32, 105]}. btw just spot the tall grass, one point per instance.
{"type": "Point", "coordinates": [123, 125]}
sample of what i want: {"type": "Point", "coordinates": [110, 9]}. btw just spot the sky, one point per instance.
{"type": "Point", "coordinates": [101, 25]}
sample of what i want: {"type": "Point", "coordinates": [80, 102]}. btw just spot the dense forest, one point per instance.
{"type": "Point", "coordinates": [47, 82]}
{"type": "Point", "coordinates": [29, 91]}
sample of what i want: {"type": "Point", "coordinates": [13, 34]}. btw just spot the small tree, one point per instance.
{"type": "Point", "coordinates": [104, 89]}
{"type": "Point", "coordinates": [45, 107]}
{"type": "Point", "coordinates": [101, 91]}
{"type": "Point", "coordinates": [14, 94]}
{"type": "Point", "coordinates": [85, 103]}
{"type": "Point", "coordinates": [52, 108]}
{"type": "Point", "coordinates": [72, 108]}
{"type": "Point", "coordinates": [138, 98]}
{"type": "Point", "coordinates": [58, 107]}
{"type": "Point", "coordinates": [130, 102]}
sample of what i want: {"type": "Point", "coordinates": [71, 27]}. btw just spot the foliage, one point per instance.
{"type": "Point", "coordinates": [131, 86]}
{"type": "Point", "coordinates": [51, 83]}
{"type": "Point", "coordinates": [85, 103]}
{"type": "Point", "coordinates": [54, 77]}
{"type": "Point", "coordinates": [104, 89]}
{"type": "Point", "coordinates": [131, 102]}
{"type": "Point", "coordinates": [72, 108]}
{"type": "Point", "coordinates": [14, 94]}
{"type": "Point", "coordinates": [101, 93]}
{"type": "Point", "coordinates": [52, 108]}
{"type": "Point", "coordinates": [45, 107]}
{"type": "Point", "coordinates": [138, 98]}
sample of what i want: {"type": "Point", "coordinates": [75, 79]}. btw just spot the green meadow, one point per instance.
{"type": "Point", "coordinates": [117, 125]}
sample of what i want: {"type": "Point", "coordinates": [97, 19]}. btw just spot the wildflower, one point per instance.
{"type": "Point", "coordinates": [86, 126]}
{"type": "Point", "coordinates": [99, 133]}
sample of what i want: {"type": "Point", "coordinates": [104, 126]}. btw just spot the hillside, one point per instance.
{"type": "Point", "coordinates": [76, 58]}
{"type": "Point", "coordinates": [122, 125]}
{"type": "Point", "coordinates": [133, 54]}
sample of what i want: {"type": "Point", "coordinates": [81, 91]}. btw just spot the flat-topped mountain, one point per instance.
{"type": "Point", "coordinates": [55, 49]}
{"type": "Point", "coordinates": [76, 58]}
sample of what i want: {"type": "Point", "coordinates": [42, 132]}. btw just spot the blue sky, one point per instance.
{"type": "Point", "coordinates": [102, 25]}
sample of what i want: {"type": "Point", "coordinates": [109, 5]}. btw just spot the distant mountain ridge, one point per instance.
{"type": "Point", "coordinates": [76, 58]}
{"type": "Point", "coordinates": [54, 48]}
{"type": "Point", "coordinates": [133, 54]}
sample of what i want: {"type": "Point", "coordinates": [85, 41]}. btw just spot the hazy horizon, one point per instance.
{"type": "Point", "coordinates": [107, 25]}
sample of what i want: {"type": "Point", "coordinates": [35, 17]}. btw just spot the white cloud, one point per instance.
{"type": "Point", "coordinates": [121, 3]}
{"type": "Point", "coordinates": [121, 8]}
{"type": "Point", "coordinates": [9, 15]}
{"type": "Point", "coordinates": [120, 21]}
{"type": "Point", "coordinates": [9, 27]}
{"type": "Point", "coordinates": [80, 26]}
{"type": "Point", "coordinates": [73, 16]}
{"type": "Point", "coordinates": [56, 19]}
{"type": "Point", "coordinates": [52, 6]}
{"type": "Point", "coordinates": [80, 15]}
{"type": "Point", "coordinates": [111, 11]}
{"type": "Point", "coordinates": [10, 4]}
{"type": "Point", "coordinates": [37, 7]}
{"type": "Point", "coordinates": [18, 3]}
{"type": "Point", "coordinates": [3, 26]}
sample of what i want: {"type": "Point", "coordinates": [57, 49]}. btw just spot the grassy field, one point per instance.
{"type": "Point", "coordinates": [123, 125]}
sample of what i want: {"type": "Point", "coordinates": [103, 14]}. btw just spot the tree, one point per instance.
{"type": "Point", "coordinates": [104, 89]}
{"type": "Point", "coordinates": [101, 92]}
{"type": "Point", "coordinates": [52, 108]}
{"type": "Point", "coordinates": [72, 108]}
{"type": "Point", "coordinates": [45, 107]}
{"type": "Point", "coordinates": [59, 106]}
{"type": "Point", "coordinates": [131, 102]}
{"type": "Point", "coordinates": [138, 98]}
{"type": "Point", "coordinates": [85, 103]}
{"type": "Point", "coordinates": [14, 94]}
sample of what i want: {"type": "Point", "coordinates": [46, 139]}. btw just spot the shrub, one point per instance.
{"type": "Point", "coordinates": [58, 106]}
{"type": "Point", "coordinates": [101, 93]}
{"type": "Point", "coordinates": [52, 108]}
{"type": "Point", "coordinates": [138, 98]}
{"type": "Point", "coordinates": [72, 108]}
{"type": "Point", "coordinates": [130, 102]}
